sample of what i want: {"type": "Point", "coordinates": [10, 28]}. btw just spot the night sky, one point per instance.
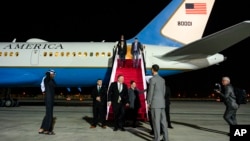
{"type": "Point", "coordinates": [107, 20]}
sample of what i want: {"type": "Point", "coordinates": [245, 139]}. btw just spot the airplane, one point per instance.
{"type": "Point", "coordinates": [173, 40]}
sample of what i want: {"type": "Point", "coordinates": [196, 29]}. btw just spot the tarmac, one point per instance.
{"type": "Point", "coordinates": [192, 121]}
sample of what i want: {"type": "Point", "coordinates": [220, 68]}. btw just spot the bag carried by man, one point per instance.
{"type": "Point", "coordinates": [241, 95]}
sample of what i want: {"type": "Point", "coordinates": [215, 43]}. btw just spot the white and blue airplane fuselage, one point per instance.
{"type": "Point", "coordinates": [173, 40]}
{"type": "Point", "coordinates": [77, 64]}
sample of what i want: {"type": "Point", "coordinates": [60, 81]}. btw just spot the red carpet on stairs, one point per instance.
{"type": "Point", "coordinates": [129, 74]}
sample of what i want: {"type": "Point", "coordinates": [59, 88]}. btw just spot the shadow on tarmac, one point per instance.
{"type": "Point", "coordinates": [200, 128]}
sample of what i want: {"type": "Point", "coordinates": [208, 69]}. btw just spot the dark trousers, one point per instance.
{"type": "Point", "coordinates": [99, 113]}
{"type": "Point", "coordinates": [150, 120]}
{"type": "Point", "coordinates": [230, 115]}
{"type": "Point", "coordinates": [119, 113]}
{"type": "Point", "coordinates": [132, 114]}
{"type": "Point", "coordinates": [47, 124]}
{"type": "Point", "coordinates": [167, 109]}
{"type": "Point", "coordinates": [121, 61]}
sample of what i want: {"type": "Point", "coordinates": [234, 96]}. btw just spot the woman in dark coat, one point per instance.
{"type": "Point", "coordinates": [134, 102]}
{"type": "Point", "coordinates": [48, 120]}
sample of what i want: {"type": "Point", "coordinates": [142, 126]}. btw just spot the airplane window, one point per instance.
{"type": "Point", "coordinates": [0, 53]}
{"type": "Point", "coordinates": [56, 54]}
{"type": "Point", "coordinates": [91, 54]}
{"type": "Point", "coordinates": [109, 54]}
{"type": "Point", "coordinates": [103, 53]}
{"type": "Point", "coordinates": [51, 54]}
{"type": "Point", "coordinates": [74, 54]}
{"type": "Point", "coordinates": [11, 53]}
{"type": "Point", "coordinates": [45, 54]}
{"type": "Point", "coordinates": [97, 54]}
{"type": "Point", "coordinates": [62, 53]}
{"type": "Point", "coordinates": [17, 54]}
{"type": "Point", "coordinates": [5, 53]}
{"type": "Point", "coordinates": [79, 53]}
{"type": "Point", "coordinates": [85, 54]}
{"type": "Point", "coordinates": [67, 54]}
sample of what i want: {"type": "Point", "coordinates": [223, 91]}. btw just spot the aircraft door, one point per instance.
{"type": "Point", "coordinates": [34, 59]}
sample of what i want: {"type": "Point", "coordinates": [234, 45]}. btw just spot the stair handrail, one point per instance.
{"type": "Point", "coordinates": [143, 69]}
{"type": "Point", "coordinates": [143, 57]}
{"type": "Point", "coordinates": [112, 76]}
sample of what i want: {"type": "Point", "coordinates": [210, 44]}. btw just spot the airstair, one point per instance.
{"type": "Point", "coordinates": [130, 73]}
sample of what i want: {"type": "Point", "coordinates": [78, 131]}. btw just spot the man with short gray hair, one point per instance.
{"type": "Point", "coordinates": [229, 100]}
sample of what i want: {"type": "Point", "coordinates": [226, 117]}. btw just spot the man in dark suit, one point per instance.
{"type": "Point", "coordinates": [167, 108]}
{"type": "Point", "coordinates": [135, 51]}
{"type": "Point", "coordinates": [122, 51]}
{"type": "Point", "coordinates": [118, 98]}
{"type": "Point", "coordinates": [156, 104]}
{"type": "Point", "coordinates": [99, 95]}
{"type": "Point", "coordinates": [229, 100]}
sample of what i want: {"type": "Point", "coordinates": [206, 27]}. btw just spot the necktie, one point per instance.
{"type": "Point", "coordinates": [135, 47]}
{"type": "Point", "coordinates": [120, 87]}
{"type": "Point", "coordinates": [98, 88]}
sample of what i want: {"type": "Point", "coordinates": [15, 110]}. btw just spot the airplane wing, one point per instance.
{"type": "Point", "coordinates": [211, 44]}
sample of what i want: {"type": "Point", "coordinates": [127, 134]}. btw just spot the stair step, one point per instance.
{"type": "Point", "coordinates": [129, 74]}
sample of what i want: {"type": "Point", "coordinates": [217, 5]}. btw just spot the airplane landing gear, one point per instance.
{"type": "Point", "coordinates": [7, 101]}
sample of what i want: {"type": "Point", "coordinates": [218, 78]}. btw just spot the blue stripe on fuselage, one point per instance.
{"type": "Point", "coordinates": [165, 73]}
{"type": "Point", "coordinates": [65, 77]}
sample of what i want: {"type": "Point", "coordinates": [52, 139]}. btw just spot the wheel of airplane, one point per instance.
{"type": "Point", "coordinates": [16, 103]}
{"type": "Point", "coordinates": [9, 103]}
{"type": "Point", "coordinates": [2, 102]}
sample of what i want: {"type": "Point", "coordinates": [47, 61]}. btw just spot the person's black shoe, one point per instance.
{"type": "Point", "coordinates": [170, 126]}
{"type": "Point", "coordinates": [151, 132]}
{"type": "Point", "coordinates": [115, 129]}
{"type": "Point", "coordinates": [122, 129]}
{"type": "Point", "coordinates": [49, 133]}
{"type": "Point", "coordinates": [92, 126]}
{"type": "Point", "coordinates": [104, 126]}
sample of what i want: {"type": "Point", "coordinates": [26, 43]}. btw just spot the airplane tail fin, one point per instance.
{"type": "Point", "coordinates": [179, 23]}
